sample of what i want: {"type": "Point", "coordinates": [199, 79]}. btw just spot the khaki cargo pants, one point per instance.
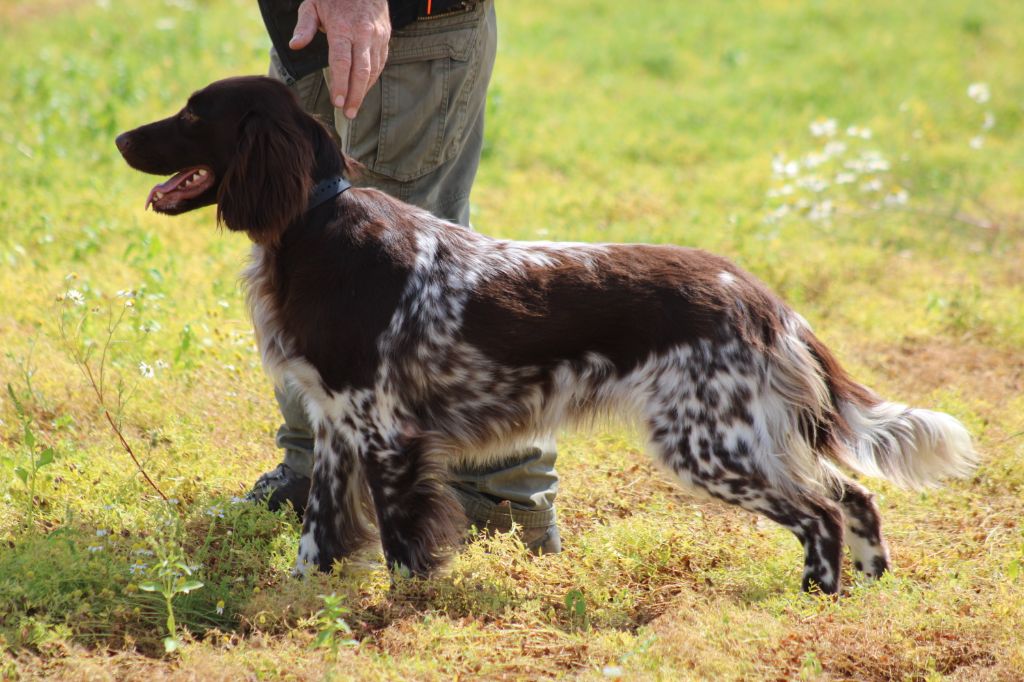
{"type": "Point", "coordinates": [419, 134]}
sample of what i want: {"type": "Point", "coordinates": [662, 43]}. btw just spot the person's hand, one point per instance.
{"type": "Point", "coordinates": [357, 40]}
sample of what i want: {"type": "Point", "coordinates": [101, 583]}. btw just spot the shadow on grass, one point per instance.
{"type": "Point", "coordinates": [83, 584]}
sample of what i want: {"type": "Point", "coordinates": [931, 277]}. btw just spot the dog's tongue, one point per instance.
{"type": "Point", "coordinates": [175, 185]}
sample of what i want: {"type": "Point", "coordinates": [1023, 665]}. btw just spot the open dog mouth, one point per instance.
{"type": "Point", "coordinates": [186, 184]}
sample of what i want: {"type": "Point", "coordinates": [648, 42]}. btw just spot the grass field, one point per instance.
{"type": "Point", "coordinates": [865, 159]}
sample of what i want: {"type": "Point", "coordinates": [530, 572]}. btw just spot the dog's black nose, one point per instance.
{"type": "Point", "coordinates": [122, 142]}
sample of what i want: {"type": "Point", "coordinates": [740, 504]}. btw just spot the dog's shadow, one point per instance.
{"type": "Point", "coordinates": [89, 584]}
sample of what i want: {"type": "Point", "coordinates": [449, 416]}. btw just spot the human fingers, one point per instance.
{"type": "Point", "coordinates": [340, 62]}
{"type": "Point", "coordinates": [306, 26]}
{"type": "Point", "coordinates": [359, 79]}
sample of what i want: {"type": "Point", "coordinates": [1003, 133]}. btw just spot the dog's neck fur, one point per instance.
{"type": "Point", "coordinates": [328, 157]}
{"type": "Point", "coordinates": [327, 161]}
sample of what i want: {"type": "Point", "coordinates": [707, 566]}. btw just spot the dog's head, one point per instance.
{"type": "Point", "coordinates": [244, 144]}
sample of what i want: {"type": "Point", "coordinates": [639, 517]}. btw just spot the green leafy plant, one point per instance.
{"type": "Point", "coordinates": [576, 606]}
{"type": "Point", "coordinates": [75, 324]}
{"type": "Point", "coordinates": [810, 666]}
{"type": "Point", "coordinates": [33, 460]}
{"type": "Point", "coordinates": [332, 630]}
{"type": "Point", "coordinates": [170, 575]}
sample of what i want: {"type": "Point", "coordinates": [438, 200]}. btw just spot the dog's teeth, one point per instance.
{"type": "Point", "coordinates": [194, 177]}
{"type": "Point", "coordinates": [201, 172]}
{"type": "Point", "coordinates": [159, 195]}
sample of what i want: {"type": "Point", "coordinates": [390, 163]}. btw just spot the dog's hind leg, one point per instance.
{"type": "Point", "coordinates": [709, 459]}
{"type": "Point", "coordinates": [336, 521]}
{"type": "Point", "coordinates": [418, 514]}
{"type": "Point", "coordinates": [863, 529]}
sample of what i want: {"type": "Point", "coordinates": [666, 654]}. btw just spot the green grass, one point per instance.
{"type": "Point", "coordinates": [607, 122]}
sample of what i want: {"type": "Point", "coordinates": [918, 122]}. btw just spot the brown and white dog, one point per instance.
{"type": "Point", "coordinates": [417, 344]}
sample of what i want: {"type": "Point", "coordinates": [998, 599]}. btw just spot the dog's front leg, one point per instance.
{"type": "Point", "coordinates": [418, 516]}
{"type": "Point", "coordinates": [336, 520]}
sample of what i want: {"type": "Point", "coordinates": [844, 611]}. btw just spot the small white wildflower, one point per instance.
{"type": "Point", "coordinates": [845, 178]}
{"type": "Point", "coordinates": [874, 162]}
{"type": "Point", "coordinates": [130, 303]}
{"type": "Point", "coordinates": [778, 214]}
{"type": "Point", "coordinates": [897, 197]}
{"type": "Point", "coordinates": [236, 500]}
{"type": "Point", "coordinates": [813, 183]}
{"type": "Point", "coordinates": [979, 92]}
{"type": "Point", "coordinates": [75, 296]}
{"type": "Point", "coordinates": [977, 142]}
{"type": "Point", "coordinates": [813, 160]}
{"type": "Point", "coordinates": [144, 552]}
{"type": "Point", "coordinates": [145, 370]}
{"type": "Point", "coordinates": [783, 168]}
{"type": "Point", "coordinates": [223, 304]}
{"type": "Point", "coordinates": [173, 500]}
{"type": "Point", "coordinates": [101, 533]}
{"type": "Point", "coordinates": [783, 191]}
{"type": "Point", "coordinates": [95, 548]}
{"type": "Point", "coordinates": [873, 185]}
{"type": "Point", "coordinates": [859, 131]}
{"type": "Point", "coordinates": [125, 293]}
{"type": "Point", "coordinates": [160, 364]}
{"type": "Point", "coordinates": [824, 127]}
{"type": "Point", "coordinates": [990, 121]}
{"type": "Point", "coordinates": [834, 148]}
{"type": "Point", "coordinates": [821, 211]}
{"type": "Point", "coordinates": [613, 671]}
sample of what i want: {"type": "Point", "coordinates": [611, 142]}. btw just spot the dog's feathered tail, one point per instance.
{"type": "Point", "coordinates": [912, 447]}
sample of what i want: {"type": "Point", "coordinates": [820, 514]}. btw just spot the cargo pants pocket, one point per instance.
{"type": "Point", "coordinates": [414, 118]}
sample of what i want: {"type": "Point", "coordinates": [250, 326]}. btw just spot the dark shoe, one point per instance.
{"type": "Point", "coordinates": [541, 541]}
{"type": "Point", "coordinates": [282, 486]}
{"type": "Point", "coordinates": [538, 539]}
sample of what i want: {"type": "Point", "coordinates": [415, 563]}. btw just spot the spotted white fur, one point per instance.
{"type": "Point", "coordinates": [726, 417]}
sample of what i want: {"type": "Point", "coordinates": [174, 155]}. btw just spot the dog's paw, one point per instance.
{"type": "Point", "coordinates": [309, 555]}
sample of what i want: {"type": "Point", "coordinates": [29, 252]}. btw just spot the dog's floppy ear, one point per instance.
{"type": "Point", "coordinates": [268, 184]}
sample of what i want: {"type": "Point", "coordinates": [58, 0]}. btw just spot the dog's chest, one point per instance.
{"type": "Point", "coordinates": [271, 339]}
{"type": "Point", "coordinates": [328, 303]}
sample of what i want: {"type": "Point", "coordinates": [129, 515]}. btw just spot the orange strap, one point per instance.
{"type": "Point", "coordinates": [428, 7]}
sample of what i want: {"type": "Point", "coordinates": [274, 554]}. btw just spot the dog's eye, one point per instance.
{"type": "Point", "coordinates": [189, 116]}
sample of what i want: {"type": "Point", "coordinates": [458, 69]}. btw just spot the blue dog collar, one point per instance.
{"type": "Point", "coordinates": [327, 189]}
